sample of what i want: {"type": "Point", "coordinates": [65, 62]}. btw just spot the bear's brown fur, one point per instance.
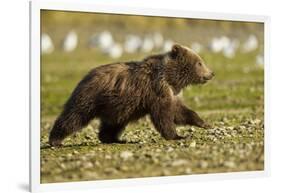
{"type": "Point", "coordinates": [123, 92]}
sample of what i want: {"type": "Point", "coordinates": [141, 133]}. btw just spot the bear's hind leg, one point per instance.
{"type": "Point", "coordinates": [109, 133]}
{"type": "Point", "coordinates": [65, 125]}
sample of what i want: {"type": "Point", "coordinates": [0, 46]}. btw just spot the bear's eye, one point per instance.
{"type": "Point", "coordinates": [200, 64]}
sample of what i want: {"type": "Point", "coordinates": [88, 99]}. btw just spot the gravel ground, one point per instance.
{"type": "Point", "coordinates": [234, 144]}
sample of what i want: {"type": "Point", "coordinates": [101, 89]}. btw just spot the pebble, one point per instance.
{"type": "Point", "coordinates": [242, 127]}
{"type": "Point", "coordinates": [182, 144]}
{"type": "Point", "coordinates": [88, 137]}
{"type": "Point", "coordinates": [97, 164]}
{"type": "Point", "coordinates": [125, 155]}
{"type": "Point", "coordinates": [170, 149]}
{"type": "Point", "coordinates": [203, 164]}
{"type": "Point", "coordinates": [188, 171]}
{"type": "Point", "coordinates": [158, 150]}
{"type": "Point", "coordinates": [155, 160]}
{"type": "Point", "coordinates": [192, 144]}
{"type": "Point", "coordinates": [63, 166]}
{"type": "Point", "coordinates": [166, 172]}
{"type": "Point", "coordinates": [88, 165]}
{"type": "Point", "coordinates": [179, 162]}
{"type": "Point", "coordinates": [110, 170]}
{"type": "Point", "coordinates": [123, 168]}
{"type": "Point", "coordinates": [75, 152]}
{"type": "Point", "coordinates": [229, 164]}
{"type": "Point", "coordinates": [83, 158]}
{"type": "Point", "coordinates": [191, 129]}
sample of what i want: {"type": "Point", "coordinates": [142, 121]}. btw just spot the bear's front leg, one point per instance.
{"type": "Point", "coordinates": [162, 116]}
{"type": "Point", "coordinates": [185, 116]}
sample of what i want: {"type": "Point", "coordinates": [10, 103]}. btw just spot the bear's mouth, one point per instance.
{"type": "Point", "coordinates": [205, 79]}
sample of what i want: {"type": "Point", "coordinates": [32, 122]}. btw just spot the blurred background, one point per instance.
{"type": "Point", "coordinates": [72, 43]}
{"type": "Point", "coordinates": [76, 42]}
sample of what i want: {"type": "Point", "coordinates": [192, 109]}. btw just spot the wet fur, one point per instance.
{"type": "Point", "coordinates": [123, 92]}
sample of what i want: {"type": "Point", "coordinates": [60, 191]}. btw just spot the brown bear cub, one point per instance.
{"type": "Point", "coordinates": [120, 93]}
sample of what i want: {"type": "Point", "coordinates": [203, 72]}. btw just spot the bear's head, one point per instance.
{"type": "Point", "coordinates": [186, 67]}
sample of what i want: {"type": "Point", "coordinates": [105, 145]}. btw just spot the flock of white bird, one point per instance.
{"type": "Point", "coordinates": [155, 41]}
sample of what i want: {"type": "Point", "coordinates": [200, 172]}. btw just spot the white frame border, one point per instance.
{"type": "Point", "coordinates": [34, 142]}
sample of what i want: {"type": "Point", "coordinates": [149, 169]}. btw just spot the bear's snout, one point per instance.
{"type": "Point", "coordinates": [209, 76]}
{"type": "Point", "coordinates": [212, 74]}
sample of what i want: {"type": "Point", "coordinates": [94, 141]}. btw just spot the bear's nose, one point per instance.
{"type": "Point", "coordinates": [212, 73]}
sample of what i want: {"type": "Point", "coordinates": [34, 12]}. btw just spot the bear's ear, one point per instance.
{"type": "Point", "coordinates": [176, 49]}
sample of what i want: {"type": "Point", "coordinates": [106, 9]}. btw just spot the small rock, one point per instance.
{"type": "Point", "coordinates": [188, 171]}
{"type": "Point", "coordinates": [88, 137]}
{"type": "Point", "coordinates": [97, 163]}
{"type": "Point", "coordinates": [158, 150]}
{"type": "Point", "coordinates": [179, 162]}
{"type": "Point", "coordinates": [83, 158]}
{"type": "Point", "coordinates": [242, 127]}
{"type": "Point", "coordinates": [229, 164]}
{"type": "Point", "coordinates": [192, 144]}
{"type": "Point", "coordinates": [63, 166]}
{"type": "Point", "coordinates": [166, 172]}
{"type": "Point", "coordinates": [110, 170]}
{"type": "Point", "coordinates": [227, 135]}
{"type": "Point", "coordinates": [88, 165]}
{"type": "Point", "coordinates": [126, 155]}
{"type": "Point", "coordinates": [155, 160]}
{"type": "Point", "coordinates": [123, 168]}
{"type": "Point", "coordinates": [212, 131]}
{"type": "Point", "coordinates": [170, 149]}
{"type": "Point", "coordinates": [89, 127]}
{"type": "Point", "coordinates": [75, 152]}
{"type": "Point", "coordinates": [191, 129]}
{"type": "Point", "coordinates": [181, 144]}
{"type": "Point", "coordinates": [230, 128]}
{"type": "Point", "coordinates": [203, 164]}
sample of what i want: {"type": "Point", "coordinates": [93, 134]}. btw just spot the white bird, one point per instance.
{"type": "Point", "coordinates": [167, 46]}
{"type": "Point", "coordinates": [132, 43]}
{"type": "Point", "coordinates": [260, 60]}
{"type": "Point", "coordinates": [197, 47]}
{"type": "Point", "coordinates": [147, 44]}
{"type": "Point", "coordinates": [229, 51]}
{"type": "Point", "coordinates": [224, 45]}
{"type": "Point", "coordinates": [215, 45]}
{"type": "Point", "coordinates": [218, 44]}
{"type": "Point", "coordinates": [47, 45]}
{"type": "Point", "coordinates": [114, 51]}
{"type": "Point", "coordinates": [70, 41]}
{"type": "Point", "coordinates": [251, 44]}
{"type": "Point", "coordinates": [103, 41]}
{"type": "Point", "coordinates": [158, 40]}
